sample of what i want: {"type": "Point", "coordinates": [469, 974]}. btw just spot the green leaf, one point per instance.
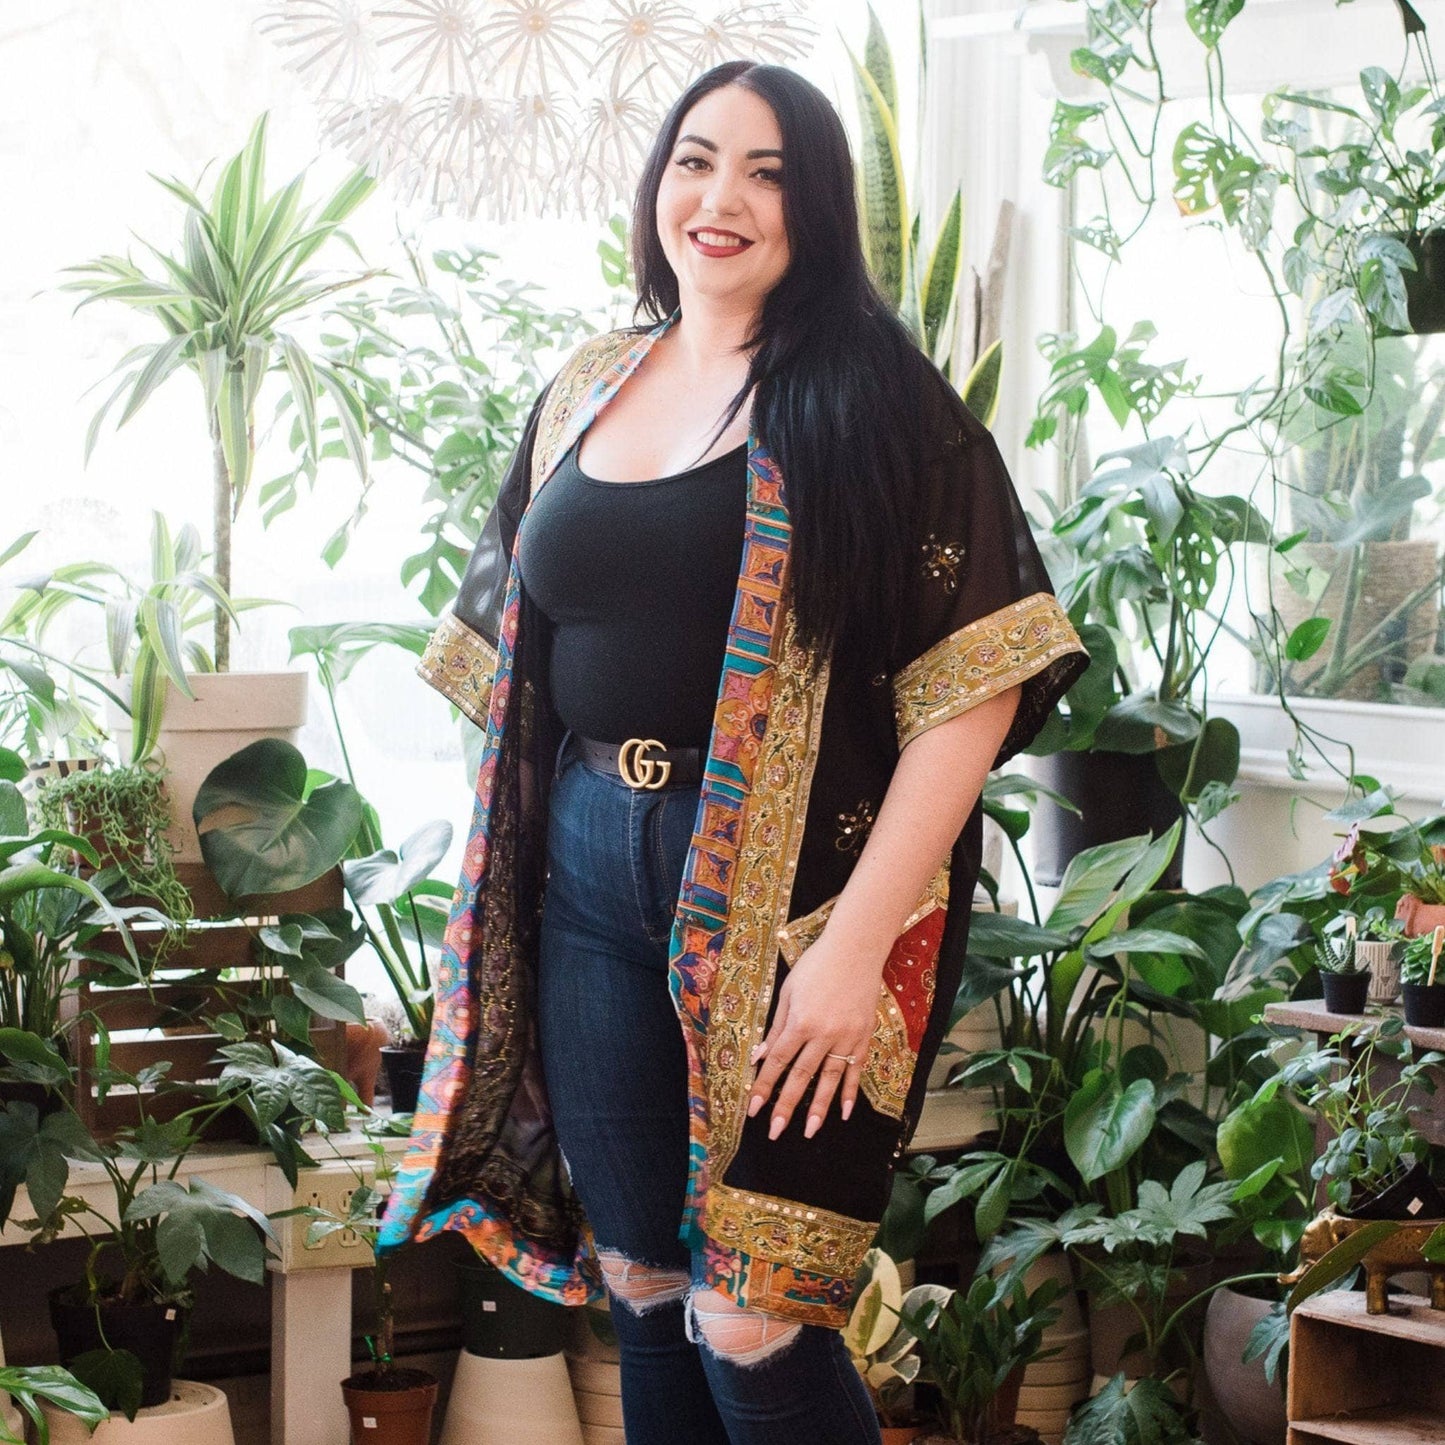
{"type": "Point", "coordinates": [1129, 1412]}
{"type": "Point", "coordinates": [1105, 1125]}
{"type": "Point", "coordinates": [1307, 639]}
{"type": "Point", "coordinates": [283, 839]}
{"type": "Point", "coordinates": [385, 877]}
{"type": "Point", "coordinates": [115, 1376]}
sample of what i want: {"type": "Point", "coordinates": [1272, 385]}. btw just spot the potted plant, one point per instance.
{"type": "Point", "coordinates": [123, 1322]}
{"type": "Point", "coordinates": [49, 919]}
{"type": "Point", "coordinates": [123, 812]}
{"type": "Point", "coordinates": [1421, 986]}
{"type": "Point", "coordinates": [225, 303]}
{"type": "Point", "coordinates": [882, 1347]}
{"type": "Point", "coordinates": [1137, 558]}
{"type": "Point", "coordinates": [388, 1403]}
{"type": "Point", "coordinates": [1378, 942]}
{"type": "Point", "coordinates": [974, 1346]}
{"type": "Point", "coordinates": [1374, 1163]}
{"type": "Point", "coordinates": [28, 1385]}
{"type": "Point", "coordinates": [1346, 982]}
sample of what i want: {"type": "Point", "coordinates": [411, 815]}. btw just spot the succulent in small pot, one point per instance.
{"type": "Point", "coordinates": [1422, 986]}
{"type": "Point", "coordinates": [1346, 983]}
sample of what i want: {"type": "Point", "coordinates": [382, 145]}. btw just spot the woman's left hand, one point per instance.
{"type": "Point", "coordinates": [828, 1004]}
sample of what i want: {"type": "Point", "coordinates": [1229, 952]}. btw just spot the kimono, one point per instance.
{"type": "Point", "coordinates": [800, 756]}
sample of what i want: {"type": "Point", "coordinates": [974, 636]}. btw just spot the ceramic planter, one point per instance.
{"type": "Point", "coordinates": [1346, 993]}
{"type": "Point", "coordinates": [520, 1402]}
{"type": "Point", "coordinates": [1382, 958]}
{"type": "Point", "coordinates": [151, 1332]}
{"type": "Point", "coordinates": [1121, 795]}
{"type": "Point", "coordinates": [192, 1414]}
{"type": "Point", "coordinates": [1424, 1004]}
{"type": "Point", "coordinates": [391, 1409]}
{"type": "Point", "coordinates": [231, 711]}
{"type": "Point", "coordinates": [403, 1064]}
{"type": "Point", "coordinates": [1253, 1407]}
{"type": "Point", "coordinates": [501, 1321]}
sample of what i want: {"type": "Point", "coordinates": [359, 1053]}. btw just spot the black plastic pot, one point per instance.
{"type": "Point", "coordinates": [1425, 285]}
{"type": "Point", "coordinates": [1120, 795]}
{"type": "Point", "coordinates": [1346, 993]}
{"type": "Point", "coordinates": [151, 1332]}
{"type": "Point", "coordinates": [1411, 1195]}
{"type": "Point", "coordinates": [501, 1321]}
{"type": "Point", "coordinates": [1424, 1004]}
{"type": "Point", "coordinates": [403, 1075]}
{"type": "Point", "coordinates": [45, 1099]}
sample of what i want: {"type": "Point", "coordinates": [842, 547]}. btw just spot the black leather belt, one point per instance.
{"type": "Point", "coordinates": [643, 763]}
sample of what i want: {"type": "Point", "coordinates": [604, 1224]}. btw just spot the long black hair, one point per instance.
{"type": "Point", "coordinates": [838, 377]}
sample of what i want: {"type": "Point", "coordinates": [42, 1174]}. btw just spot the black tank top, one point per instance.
{"type": "Point", "coordinates": [638, 581]}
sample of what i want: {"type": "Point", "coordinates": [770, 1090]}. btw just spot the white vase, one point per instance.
{"type": "Point", "coordinates": [511, 1402]}
{"type": "Point", "coordinates": [231, 710]}
{"type": "Point", "coordinates": [195, 1414]}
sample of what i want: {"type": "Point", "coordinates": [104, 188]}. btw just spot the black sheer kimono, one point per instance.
{"type": "Point", "coordinates": [801, 754]}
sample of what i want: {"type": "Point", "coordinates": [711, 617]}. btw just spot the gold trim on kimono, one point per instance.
{"type": "Point", "coordinates": [800, 1236]}
{"type": "Point", "coordinates": [460, 664]}
{"type": "Point", "coordinates": [980, 661]}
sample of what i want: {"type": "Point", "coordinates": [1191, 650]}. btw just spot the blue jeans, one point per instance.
{"type": "Point", "coordinates": [616, 1072]}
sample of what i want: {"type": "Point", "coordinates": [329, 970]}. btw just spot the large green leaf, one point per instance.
{"type": "Point", "coordinates": [1104, 1124]}
{"type": "Point", "coordinates": [266, 834]}
{"type": "Point", "coordinates": [1130, 1412]}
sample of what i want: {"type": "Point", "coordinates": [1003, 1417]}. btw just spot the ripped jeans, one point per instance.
{"type": "Point", "coordinates": [696, 1370]}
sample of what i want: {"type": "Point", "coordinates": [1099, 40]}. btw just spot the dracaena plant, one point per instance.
{"type": "Point", "coordinates": [226, 300]}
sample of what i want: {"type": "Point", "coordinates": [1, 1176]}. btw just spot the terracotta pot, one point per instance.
{"type": "Point", "coordinates": [231, 711]}
{"type": "Point", "coordinates": [399, 1414]}
{"type": "Point", "coordinates": [1252, 1406]}
{"type": "Point", "coordinates": [364, 1043]}
{"type": "Point", "coordinates": [1417, 916]}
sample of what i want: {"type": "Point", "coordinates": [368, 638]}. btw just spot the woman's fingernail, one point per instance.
{"type": "Point", "coordinates": [756, 1054]}
{"type": "Point", "coordinates": [812, 1126]}
{"type": "Point", "coordinates": [754, 1104]}
{"type": "Point", "coordinates": [776, 1127]}
{"type": "Point", "coordinates": [847, 1108]}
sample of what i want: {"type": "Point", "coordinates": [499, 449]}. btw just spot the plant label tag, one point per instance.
{"type": "Point", "coordinates": [170, 1314]}
{"type": "Point", "coordinates": [1415, 1206]}
{"type": "Point", "coordinates": [368, 1422]}
{"type": "Point", "coordinates": [489, 1306]}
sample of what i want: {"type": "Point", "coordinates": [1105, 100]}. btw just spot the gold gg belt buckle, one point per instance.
{"type": "Point", "coordinates": [639, 771]}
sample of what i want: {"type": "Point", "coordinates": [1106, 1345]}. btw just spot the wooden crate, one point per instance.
{"type": "Point", "coordinates": [1363, 1379]}
{"type": "Point", "coordinates": [149, 1025]}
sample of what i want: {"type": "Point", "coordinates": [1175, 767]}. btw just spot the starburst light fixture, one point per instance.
{"type": "Point", "coordinates": [505, 108]}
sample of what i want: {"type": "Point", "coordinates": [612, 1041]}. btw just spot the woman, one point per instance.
{"type": "Point", "coordinates": [773, 615]}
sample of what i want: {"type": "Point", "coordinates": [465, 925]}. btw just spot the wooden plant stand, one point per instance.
{"type": "Point", "coordinates": [148, 1026]}
{"type": "Point", "coordinates": [1363, 1379]}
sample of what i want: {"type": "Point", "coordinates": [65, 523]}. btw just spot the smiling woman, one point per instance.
{"type": "Point", "coordinates": [808, 596]}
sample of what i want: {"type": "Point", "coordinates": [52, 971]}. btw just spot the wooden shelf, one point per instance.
{"type": "Point", "coordinates": [1312, 1016]}
{"type": "Point", "coordinates": [1362, 1379]}
{"type": "Point", "coordinates": [1385, 1425]}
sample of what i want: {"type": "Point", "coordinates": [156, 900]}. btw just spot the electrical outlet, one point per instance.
{"type": "Point", "coordinates": [330, 1187]}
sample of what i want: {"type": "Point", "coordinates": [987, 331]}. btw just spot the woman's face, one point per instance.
{"type": "Point", "coordinates": [720, 201]}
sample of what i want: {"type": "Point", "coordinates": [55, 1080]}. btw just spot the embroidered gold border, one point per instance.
{"type": "Point", "coordinates": [980, 661]}
{"type": "Point", "coordinates": [785, 1232]}
{"type": "Point", "coordinates": [460, 664]}
{"type": "Point", "coordinates": [888, 1067]}
{"type": "Point", "coordinates": [772, 836]}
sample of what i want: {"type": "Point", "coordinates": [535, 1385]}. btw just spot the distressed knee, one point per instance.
{"type": "Point", "coordinates": [640, 1287]}
{"type": "Point", "coordinates": [739, 1336]}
